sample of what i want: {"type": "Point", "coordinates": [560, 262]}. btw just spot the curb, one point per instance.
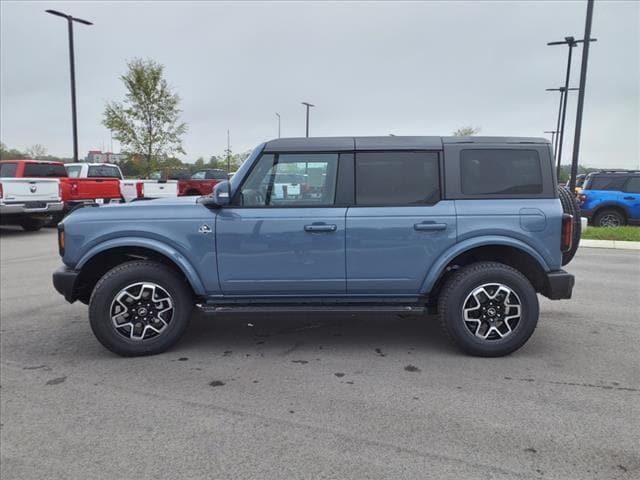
{"type": "Point", "coordinates": [615, 244]}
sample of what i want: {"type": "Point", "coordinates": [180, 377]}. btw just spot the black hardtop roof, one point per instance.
{"type": "Point", "coordinates": [319, 144]}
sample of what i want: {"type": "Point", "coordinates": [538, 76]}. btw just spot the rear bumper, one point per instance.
{"type": "Point", "coordinates": [64, 281]}
{"type": "Point", "coordinates": [26, 209]}
{"type": "Point", "coordinates": [559, 285]}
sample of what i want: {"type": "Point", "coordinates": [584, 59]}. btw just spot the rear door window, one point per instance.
{"type": "Point", "coordinates": [44, 170]}
{"type": "Point", "coordinates": [607, 182]}
{"type": "Point", "coordinates": [397, 178]}
{"type": "Point", "coordinates": [500, 172]}
{"type": "Point", "coordinates": [8, 170]}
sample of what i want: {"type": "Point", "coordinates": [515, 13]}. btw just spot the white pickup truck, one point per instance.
{"type": "Point", "coordinates": [129, 189]}
{"type": "Point", "coordinates": [27, 201]}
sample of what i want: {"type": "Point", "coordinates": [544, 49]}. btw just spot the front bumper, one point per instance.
{"type": "Point", "coordinates": [30, 208]}
{"type": "Point", "coordinates": [64, 281]}
{"type": "Point", "coordinates": [559, 285]}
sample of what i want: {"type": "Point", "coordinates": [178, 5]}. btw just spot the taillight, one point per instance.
{"type": "Point", "coordinates": [1, 192]}
{"type": "Point", "coordinates": [61, 238]}
{"type": "Point", "coordinates": [582, 198]}
{"type": "Point", "coordinates": [140, 189]}
{"type": "Point", "coordinates": [74, 188]}
{"type": "Point", "coordinates": [59, 189]}
{"type": "Point", "coordinates": [567, 232]}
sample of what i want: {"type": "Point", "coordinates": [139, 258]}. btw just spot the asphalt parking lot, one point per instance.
{"type": "Point", "coordinates": [339, 397]}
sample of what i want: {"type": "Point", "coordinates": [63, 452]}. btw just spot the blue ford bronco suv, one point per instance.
{"type": "Point", "coordinates": [468, 228]}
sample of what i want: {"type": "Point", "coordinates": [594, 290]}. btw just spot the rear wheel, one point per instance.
{"type": "Point", "coordinates": [32, 224]}
{"type": "Point", "coordinates": [140, 308]}
{"type": "Point", "coordinates": [488, 309]}
{"type": "Point", "coordinates": [609, 218]}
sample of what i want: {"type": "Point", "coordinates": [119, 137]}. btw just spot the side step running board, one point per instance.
{"type": "Point", "coordinates": [407, 309]}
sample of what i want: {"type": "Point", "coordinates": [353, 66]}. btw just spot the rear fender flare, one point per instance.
{"type": "Point", "coordinates": [439, 266]}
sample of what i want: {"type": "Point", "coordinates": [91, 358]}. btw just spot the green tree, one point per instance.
{"type": "Point", "coordinates": [147, 122]}
{"type": "Point", "coordinates": [467, 131]}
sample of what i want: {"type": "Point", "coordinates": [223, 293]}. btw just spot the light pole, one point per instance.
{"type": "Point", "coordinates": [559, 127]}
{"type": "Point", "coordinates": [583, 82]}
{"type": "Point", "coordinates": [278, 115]}
{"type": "Point", "coordinates": [553, 134]}
{"type": "Point", "coordinates": [72, 67]}
{"type": "Point", "coordinates": [571, 42]}
{"type": "Point", "coordinates": [308, 105]}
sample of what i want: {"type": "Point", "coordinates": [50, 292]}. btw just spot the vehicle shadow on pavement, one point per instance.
{"type": "Point", "coordinates": [15, 232]}
{"type": "Point", "coordinates": [284, 333]}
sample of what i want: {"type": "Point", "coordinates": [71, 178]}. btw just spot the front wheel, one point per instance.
{"type": "Point", "coordinates": [488, 309]}
{"type": "Point", "coordinates": [140, 308]}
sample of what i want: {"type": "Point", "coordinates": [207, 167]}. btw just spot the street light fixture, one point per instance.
{"type": "Point", "coordinates": [72, 67]}
{"type": "Point", "coordinates": [559, 126]}
{"type": "Point", "coordinates": [308, 105]}
{"type": "Point", "coordinates": [571, 42]}
{"type": "Point", "coordinates": [278, 115]}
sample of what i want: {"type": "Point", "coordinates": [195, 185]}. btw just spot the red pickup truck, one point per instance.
{"type": "Point", "coordinates": [75, 191]}
{"type": "Point", "coordinates": [201, 182]}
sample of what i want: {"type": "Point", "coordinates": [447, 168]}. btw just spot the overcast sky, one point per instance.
{"type": "Point", "coordinates": [371, 69]}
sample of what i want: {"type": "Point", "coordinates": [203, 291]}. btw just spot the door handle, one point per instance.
{"type": "Point", "coordinates": [629, 198]}
{"type": "Point", "coordinates": [429, 226]}
{"type": "Point", "coordinates": [320, 227]}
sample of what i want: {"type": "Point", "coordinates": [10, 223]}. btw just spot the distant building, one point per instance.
{"type": "Point", "coordinates": [98, 156]}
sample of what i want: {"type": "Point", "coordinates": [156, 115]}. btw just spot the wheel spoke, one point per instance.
{"type": "Point", "coordinates": [141, 311]}
{"type": "Point", "coordinates": [492, 311]}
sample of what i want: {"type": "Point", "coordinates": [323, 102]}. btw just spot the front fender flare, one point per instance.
{"type": "Point", "coordinates": [438, 267]}
{"type": "Point", "coordinates": [159, 247]}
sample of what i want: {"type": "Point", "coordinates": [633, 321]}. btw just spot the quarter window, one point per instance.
{"type": "Point", "coordinates": [500, 172]}
{"type": "Point", "coordinates": [633, 185]}
{"type": "Point", "coordinates": [292, 180]}
{"type": "Point", "coordinates": [397, 178]}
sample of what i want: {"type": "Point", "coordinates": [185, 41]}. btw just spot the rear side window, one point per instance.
{"type": "Point", "coordinates": [44, 170]}
{"type": "Point", "coordinates": [103, 171]}
{"type": "Point", "coordinates": [397, 178]}
{"type": "Point", "coordinates": [603, 182]}
{"type": "Point", "coordinates": [500, 172]}
{"type": "Point", "coordinates": [633, 185]}
{"type": "Point", "coordinates": [8, 170]}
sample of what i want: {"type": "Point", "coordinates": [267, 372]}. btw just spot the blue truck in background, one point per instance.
{"type": "Point", "coordinates": [468, 228]}
{"type": "Point", "coordinates": [611, 198]}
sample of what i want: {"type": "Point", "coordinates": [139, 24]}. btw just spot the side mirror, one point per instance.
{"type": "Point", "coordinates": [220, 196]}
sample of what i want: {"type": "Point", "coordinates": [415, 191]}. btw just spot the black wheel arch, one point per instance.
{"type": "Point", "coordinates": [98, 265]}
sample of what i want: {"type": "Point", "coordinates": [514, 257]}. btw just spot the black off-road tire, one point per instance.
{"type": "Point", "coordinates": [571, 206]}
{"type": "Point", "coordinates": [460, 285]}
{"type": "Point", "coordinates": [600, 218]}
{"type": "Point", "coordinates": [127, 274]}
{"type": "Point", "coordinates": [32, 224]}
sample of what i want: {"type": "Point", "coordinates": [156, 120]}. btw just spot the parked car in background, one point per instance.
{"type": "Point", "coordinates": [74, 191]}
{"type": "Point", "coordinates": [27, 198]}
{"type": "Point", "coordinates": [201, 182]}
{"type": "Point", "coordinates": [611, 198]}
{"type": "Point", "coordinates": [470, 228]}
